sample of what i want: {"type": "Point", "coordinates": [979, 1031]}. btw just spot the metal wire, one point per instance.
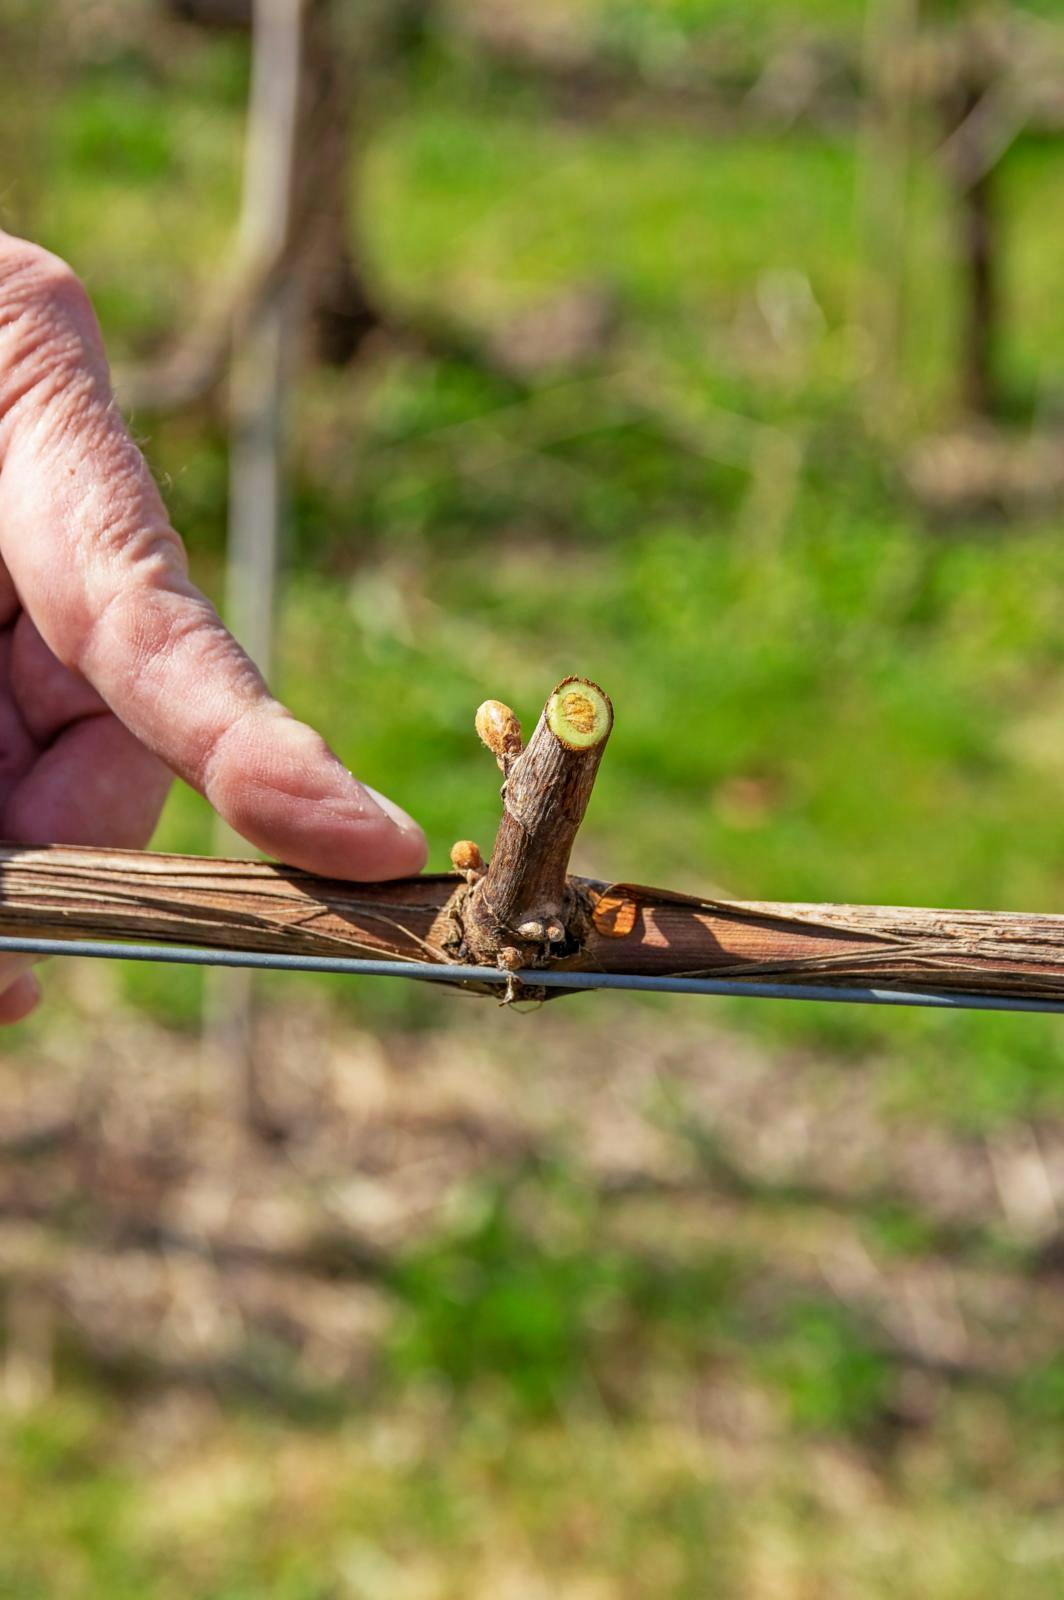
{"type": "Point", "coordinates": [186, 956]}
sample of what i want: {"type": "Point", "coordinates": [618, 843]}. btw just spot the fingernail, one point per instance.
{"type": "Point", "coordinates": [393, 812]}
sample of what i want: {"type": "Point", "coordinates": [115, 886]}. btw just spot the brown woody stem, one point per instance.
{"type": "Point", "coordinates": [523, 910]}
{"type": "Point", "coordinates": [524, 901]}
{"type": "Point", "coordinates": [62, 892]}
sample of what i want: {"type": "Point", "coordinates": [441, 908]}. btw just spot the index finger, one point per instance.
{"type": "Point", "coordinates": [97, 565]}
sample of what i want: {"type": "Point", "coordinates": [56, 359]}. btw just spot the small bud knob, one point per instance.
{"type": "Point", "coordinates": [466, 857]}
{"type": "Point", "coordinates": [500, 730]}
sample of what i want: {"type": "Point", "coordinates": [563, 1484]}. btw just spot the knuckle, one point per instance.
{"type": "Point", "coordinates": [16, 252]}
{"type": "Point", "coordinates": [156, 555]}
{"type": "Point", "coordinates": [49, 339]}
{"type": "Point", "coordinates": [33, 278]}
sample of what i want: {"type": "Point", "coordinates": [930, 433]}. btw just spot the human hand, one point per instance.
{"type": "Point", "coordinates": [114, 668]}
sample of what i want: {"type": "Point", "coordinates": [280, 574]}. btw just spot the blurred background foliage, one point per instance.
{"type": "Point", "coordinates": [680, 369]}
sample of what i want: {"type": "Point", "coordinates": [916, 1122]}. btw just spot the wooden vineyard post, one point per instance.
{"type": "Point", "coordinates": [884, 158]}
{"type": "Point", "coordinates": [971, 170]}
{"type": "Point", "coordinates": [261, 363]}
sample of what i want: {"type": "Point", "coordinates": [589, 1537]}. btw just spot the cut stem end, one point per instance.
{"type": "Point", "coordinates": [579, 714]}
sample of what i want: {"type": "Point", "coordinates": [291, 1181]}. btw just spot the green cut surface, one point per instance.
{"type": "Point", "coordinates": [579, 714]}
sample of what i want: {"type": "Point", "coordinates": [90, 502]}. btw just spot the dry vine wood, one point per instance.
{"type": "Point", "coordinates": [523, 909]}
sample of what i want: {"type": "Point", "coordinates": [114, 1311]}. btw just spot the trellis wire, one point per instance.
{"type": "Point", "coordinates": [187, 956]}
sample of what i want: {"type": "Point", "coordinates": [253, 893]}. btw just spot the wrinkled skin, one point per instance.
{"type": "Point", "coordinates": [115, 671]}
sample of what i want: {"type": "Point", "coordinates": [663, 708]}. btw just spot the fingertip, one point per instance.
{"type": "Point", "coordinates": [280, 786]}
{"type": "Point", "coordinates": [402, 840]}
{"type": "Point", "coordinates": [19, 999]}
{"type": "Point", "coordinates": [360, 849]}
{"type": "Point", "coordinates": [376, 849]}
